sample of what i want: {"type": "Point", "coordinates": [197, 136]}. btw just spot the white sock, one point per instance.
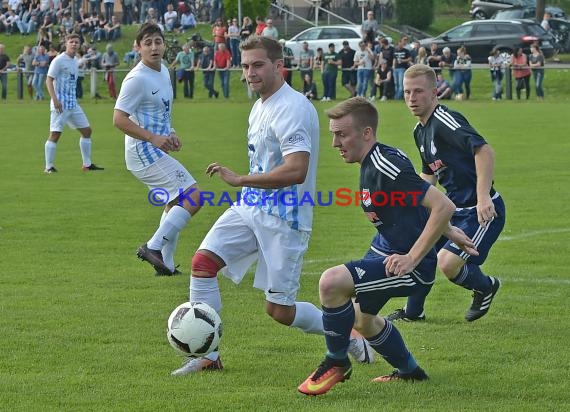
{"type": "Point", "coordinates": [172, 224]}
{"type": "Point", "coordinates": [308, 318]}
{"type": "Point", "coordinates": [168, 252]}
{"type": "Point", "coordinates": [85, 147]}
{"type": "Point", "coordinates": [50, 148]}
{"type": "Point", "coordinates": [169, 247]}
{"type": "Point", "coordinates": [206, 290]}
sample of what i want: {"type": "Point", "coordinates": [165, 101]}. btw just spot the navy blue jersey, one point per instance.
{"type": "Point", "coordinates": [392, 196]}
{"type": "Point", "coordinates": [447, 143]}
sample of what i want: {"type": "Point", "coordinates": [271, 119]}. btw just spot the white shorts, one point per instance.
{"type": "Point", "coordinates": [165, 177]}
{"type": "Point", "coordinates": [244, 234]}
{"type": "Point", "coordinates": [74, 118]}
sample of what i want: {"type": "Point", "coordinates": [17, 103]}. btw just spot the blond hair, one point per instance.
{"type": "Point", "coordinates": [418, 70]}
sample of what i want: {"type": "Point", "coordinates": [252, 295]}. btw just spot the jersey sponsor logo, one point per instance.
{"type": "Point", "coordinates": [437, 167]}
{"type": "Point", "coordinates": [296, 139]}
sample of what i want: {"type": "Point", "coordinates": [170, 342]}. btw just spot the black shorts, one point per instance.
{"type": "Point", "coordinates": [348, 77]}
{"type": "Point", "coordinates": [374, 288]}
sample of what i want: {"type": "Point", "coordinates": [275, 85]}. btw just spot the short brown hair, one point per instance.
{"type": "Point", "coordinates": [363, 113]}
{"type": "Point", "coordinates": [272, 47]}
{"type": "Point", "coordinates": [418, 70]}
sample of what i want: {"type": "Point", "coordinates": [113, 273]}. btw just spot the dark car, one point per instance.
{"type": "Point", "coordinates": [527, 13]}
{"type": "Point", "coordinates": [481, 36]}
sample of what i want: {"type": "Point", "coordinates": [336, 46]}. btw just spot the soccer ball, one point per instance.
{"type": "Point", "coordinates": [194, 329]}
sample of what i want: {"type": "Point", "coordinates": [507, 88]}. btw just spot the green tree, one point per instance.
{"type": "Point", "coordinates": [415, 13]}
{"type": "Point", "coordinates": [251, 8]}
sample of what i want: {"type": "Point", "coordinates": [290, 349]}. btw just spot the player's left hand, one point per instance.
{"type": "Point", "coordinates": [231, 178]}
{"type": "Point", "coordinates": [461, 240]}
{"type": "Point", "coordinates": [176, 142]}
{"type": "Point", "coordinates": [485, 210]}
{"type": "Point", "coordinates": [398, 265]}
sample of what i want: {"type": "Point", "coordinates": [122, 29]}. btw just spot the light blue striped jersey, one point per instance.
{"type": "Point", "coordinates": [64, 70]}
{"type": "Point", "coordinates": [146, 95]}
{"type": "Point", "coordinates": [285, 123]}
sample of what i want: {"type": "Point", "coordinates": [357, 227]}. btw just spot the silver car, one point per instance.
{"type": "Point", "coordinates": [481, 9]}
{"type": "Point", "coordinates": [322, 36]}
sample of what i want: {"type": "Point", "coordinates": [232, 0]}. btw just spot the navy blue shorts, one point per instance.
{"type": "Point", "coordinates": [373, 288]}
{"type": "Point", "coordinates": [483, 237]}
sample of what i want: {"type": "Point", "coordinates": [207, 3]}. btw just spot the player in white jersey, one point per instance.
{"type": "Point", "coordinates": [143, 112]}
{"type": "Point", "coordinates": [269, 225]}
{"type": "Point", "coordinates": [61, 84]}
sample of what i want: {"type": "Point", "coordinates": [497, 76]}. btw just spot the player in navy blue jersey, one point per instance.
{"type": "Point", "coordinates": [460, 159]}
{"type": "Point", "coordinates": [410, 215]}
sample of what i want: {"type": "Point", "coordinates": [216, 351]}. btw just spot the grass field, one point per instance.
{"type": "Point", "coordinates": [82, 321]}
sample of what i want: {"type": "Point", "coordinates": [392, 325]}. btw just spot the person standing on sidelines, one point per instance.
{"type": "Point", "coordinates": [143, 112]}
{"type": "Point", "coordinates": [401, 259]}
{"type": "Point", "coordinates": [62, 84]}
{"type": "Point", "coordinates": [4, 63]}
{"type": "Point", "coordinates": [185, 73]}
{"type": "Point", "coordinates": [455, 155]}
{"type": "Point", "coordinates": [283, 148]}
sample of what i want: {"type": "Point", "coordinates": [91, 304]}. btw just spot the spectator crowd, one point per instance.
{"type": "Point", "coordinates": [374, 71]}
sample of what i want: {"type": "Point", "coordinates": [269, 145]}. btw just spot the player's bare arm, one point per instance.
{"type": "Point", "coordinates": [292, 171]}
{"type": "Point", "coordinates": [462, 241]}
{"type": "Point", "coordinates": [431, 179]}
{"type": "Point", "coordinates": [441, 210]}
{"type": "Point", "coordinates": [122, 121]}
{"type": "Point", "coordinates": [51, 90]}
{"type": "Point", "coordinates": [484, 166]}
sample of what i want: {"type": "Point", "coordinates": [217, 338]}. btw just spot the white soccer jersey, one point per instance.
{"type": "Point", "coordinates": [64, 70]}
{"type": "Point", "coordinates": [285, 123]}
{"type": "Point", "coordinates": [146, 95]}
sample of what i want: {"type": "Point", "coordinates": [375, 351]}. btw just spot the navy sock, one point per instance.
{"type": "Point", "coordinates": [391, 346]}
{"type": "Point", "coordinates": [338, 322]}
{"type": "Point", "coordinates": [470, 277]}
{"type": "Point", "coordinates": [415, 304]}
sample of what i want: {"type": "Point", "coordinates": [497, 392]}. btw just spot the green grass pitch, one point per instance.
{"type": "Point", "coordinates": [82, 321]}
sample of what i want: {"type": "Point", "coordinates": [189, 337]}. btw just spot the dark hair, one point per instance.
{"type": "Point", "coordinates": [272, 47]}
{"type": "Point", "coordinates": [148, 29]}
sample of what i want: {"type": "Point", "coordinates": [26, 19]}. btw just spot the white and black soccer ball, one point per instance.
{"type": "Point", "coordinates": [194, 329]}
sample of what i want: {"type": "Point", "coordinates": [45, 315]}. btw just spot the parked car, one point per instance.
{"type": "Point", "coordinates": [481, 36]}
{"type": "Point", "coordinates": [485, 9]}
{"type": "Point", "coordinates": [527, 13]}
{"type": "Point", "coordinates": [322, 36]}
{"type": "Point", "coordinates": [560, 29]}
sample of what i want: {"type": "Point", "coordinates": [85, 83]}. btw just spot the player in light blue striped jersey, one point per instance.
{"type": "Point", "coordinates": [143, 112]}
{"type": "Point", "coordinates": [61, 84]}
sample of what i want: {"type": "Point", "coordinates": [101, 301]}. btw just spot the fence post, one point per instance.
{"type": "Point", "coordinates": [20, 82]}
{"type": "Point", "coordinates": [93, 82]}
{"type": "Point", "coordinates": [508, 83]}
{"type": "Point", "coordinates": [173, 81]}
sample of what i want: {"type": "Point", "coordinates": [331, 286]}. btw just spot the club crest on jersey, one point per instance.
{"type": "Point", "coordinates": [366, 198]}
{"type": "Point", "coordinates": [433, 149]}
